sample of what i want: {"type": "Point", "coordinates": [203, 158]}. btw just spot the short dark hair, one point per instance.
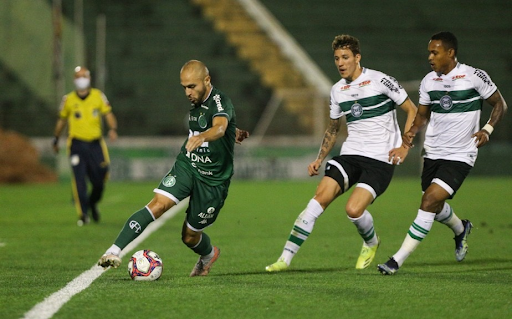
{"type": "Point", "coordinates": [448, 39]}
{"type": "Point", "coordinates": [346, 41]}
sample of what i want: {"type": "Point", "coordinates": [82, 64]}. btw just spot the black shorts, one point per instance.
{"type": "Point", "coordinates": [369, 173]}
{"type": "Point", "coordinates": [447, 174]}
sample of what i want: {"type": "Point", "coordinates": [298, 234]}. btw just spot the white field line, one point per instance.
{"type": "Point", "coordinates": [51, 304]}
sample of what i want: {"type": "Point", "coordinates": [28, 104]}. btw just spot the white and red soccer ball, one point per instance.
{"type": "Point", "coordinates": [145, 265]}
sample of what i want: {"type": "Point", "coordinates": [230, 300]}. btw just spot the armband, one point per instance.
{"type": "Point", "coordinates": [488, 128]}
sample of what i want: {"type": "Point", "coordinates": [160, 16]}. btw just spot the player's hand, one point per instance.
{"type": "Point", "coordinates": [398, 155]}
{"type": "Point", "coordinates": [313, 167]}
{"type": "Point", "coordinates": [407, 139]}
{"type": "Point", "coordinates": [194, 142]}
{"type": "Point", "coordinates": [480, 138]}
{"type": "Point", "coordinates": [241, 135]}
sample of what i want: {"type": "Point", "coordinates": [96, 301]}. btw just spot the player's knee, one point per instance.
{"type": "Point", "coordinates": [353, 211]}
{"type": "Point", "coordinates": [159, 205]}
{"type": "Point", "coordinates": [190, 239]}
{"type": "Point", "coordinates": [430, 203]}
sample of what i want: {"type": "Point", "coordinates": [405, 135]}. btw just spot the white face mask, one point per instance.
{"type": "Point", "coordinates": [82, 83]}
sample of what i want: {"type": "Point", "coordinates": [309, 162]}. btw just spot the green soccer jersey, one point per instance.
{"type": "Point", "coordinates": [212, 162]}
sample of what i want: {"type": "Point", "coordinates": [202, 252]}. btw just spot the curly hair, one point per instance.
{"type": "Point", "coordinates": [345, 41]}
{"type": "Point", "coordinates": [448, 39]}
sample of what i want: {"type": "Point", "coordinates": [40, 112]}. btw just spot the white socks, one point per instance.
{"type": "Point", "coordinates": [448, 217]}
{"type": "Point", "coordinates": [364, 225]}
{"type": "Point", "coordinates": [417, 232]}
{"type": "Point", "coordinates": [302, 227]}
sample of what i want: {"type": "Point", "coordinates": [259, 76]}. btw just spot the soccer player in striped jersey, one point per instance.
{"type": "Point", "coordinates": [368, 100]}
{"type": "Point", "coordinates": [451, 99]}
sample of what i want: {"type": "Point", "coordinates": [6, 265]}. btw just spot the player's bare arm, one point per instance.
{"type": "Point", "coordinates": [499, 108]}
{"type": "Point", "coordinates": [219, 125]}
{"type": "Point", "coordinates": [398, 155]}
{"type": "Point", "coordinates": [420, 121]}
{"type": "Point", "coordinates": [328, 143]}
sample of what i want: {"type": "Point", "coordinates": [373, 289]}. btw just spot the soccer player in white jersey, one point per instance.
{"type": "Point", "coordinates": [368, 100]}
{"type": "Point", "coordinates": [451, 99]}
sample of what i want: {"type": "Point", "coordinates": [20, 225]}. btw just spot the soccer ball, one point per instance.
{"type": "Point", "coordinates": [145, 265]}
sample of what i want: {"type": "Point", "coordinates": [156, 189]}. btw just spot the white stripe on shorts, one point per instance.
{"type": "Point", "coordinates": [166, 194]}
{"type": "Point", "coordinates": [368, 188]}
{"type": "Point", "coordinates": [445, 186]}
{"type": "Point", "coordinates": [342, 171]}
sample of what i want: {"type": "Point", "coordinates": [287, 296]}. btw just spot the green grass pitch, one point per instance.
{"type": "Point", "coordinates": [42, 250]}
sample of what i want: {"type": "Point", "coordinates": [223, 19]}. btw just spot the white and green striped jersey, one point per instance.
{"type": "Point", "coordinates": [455, 102]}
{"type": "Point", "coordinates": [369, 106]}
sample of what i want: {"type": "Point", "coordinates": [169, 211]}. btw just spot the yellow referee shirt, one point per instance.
{"type": "Point", "coordinates": [84, 115]}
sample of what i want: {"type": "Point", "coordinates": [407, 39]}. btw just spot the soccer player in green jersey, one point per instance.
{"type": "Point", "coordinates": [202, 170]}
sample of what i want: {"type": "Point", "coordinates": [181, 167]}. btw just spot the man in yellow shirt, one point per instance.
{"type": "Point", "coordinates": [82, 110]}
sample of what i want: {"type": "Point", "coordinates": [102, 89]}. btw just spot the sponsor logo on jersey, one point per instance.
{"type": "Point", "coordinates": [482, 76]}
{"type": "Point", "coordinates": [199, 158]}
{"type": "Point", "coordinates": [446, 102]}
{"type": "Point", "coordinates": [387, 83]}
{"type": "Point", "coordinates": [216, 98]}
{"type": "Point", "coordinates": [135, 226]}
{"type": "Point", "coordinates": [344, 87]}
{"type": "Point", "coordinates": [365, 83]}
{"type": "Point", "coordinates": [437, 79]}
{"type": "Point", "coordinates": [207, 173]}
{"type": "Point", "coordinates": [169, 181]}
{"type": "Point", "coordinates": [202, 121]}
{"type": "Point", "coordinates": [192, 118]}
{"type": "Point", "coordinates": [356, 110]}
{"type": "Point", "coordinates": [458, 77]}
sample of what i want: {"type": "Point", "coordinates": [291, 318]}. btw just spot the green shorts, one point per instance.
{"type": "Point", "coordinates": [205, 200]}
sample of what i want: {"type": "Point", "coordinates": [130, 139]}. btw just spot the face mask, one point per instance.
{"type": "Point", "coordinates": [82, 83]}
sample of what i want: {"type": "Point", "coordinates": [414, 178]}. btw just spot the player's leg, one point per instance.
{"type": "Point", "coordinates": [356, 206]}
{"type": "Point", "coordinates": [173, 188]}
{"type": "Point", "coordinates": [204, 208]}
{"type": "Point", "coordinates": [326, 192]}
{"type": "Point", "coordinates": [133, 227]}
{"type": "Point", "coordinates": [438, 184]}
{"type": "Point", "coordinates": [78, 180]}
{"type": "Point", "coordinates": [373, 182]}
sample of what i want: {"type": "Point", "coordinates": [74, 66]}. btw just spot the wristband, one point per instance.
{"type": "Point", "coordinates": [488, 128]}
{"type": "Point", "coordinates": [55, 141]}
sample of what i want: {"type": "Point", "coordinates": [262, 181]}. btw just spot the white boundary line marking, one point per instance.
{"type": "Point", "coordinates": [51, 304]}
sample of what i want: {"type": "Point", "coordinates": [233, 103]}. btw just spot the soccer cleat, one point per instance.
{"type": "Point", "coordinates": [367, 254]}
{"type": "Point", "coordinates": [279, 265]}
{"type": "Point", "coordinates": [201, 269]}
{"type": "Point", "coordinates": [109, 260]}
{"type": "Point", "coordinates": [389, 268]}
{"type": "Point", "coordinates": [461, 241]}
